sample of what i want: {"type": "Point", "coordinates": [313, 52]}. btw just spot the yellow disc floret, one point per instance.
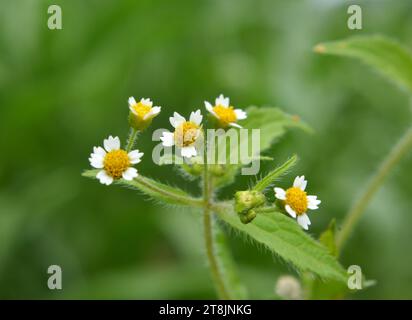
{"type": "Point", "coordinates": [186, 134]}
{"type": "Point", "coordinates": [226, 115]}
{"type": "Point", "coordinates": [141, 109]}
{"type": "Point", "coordinates": [296, 198]}
{"type": "Point", "coordinates": [116, 162]}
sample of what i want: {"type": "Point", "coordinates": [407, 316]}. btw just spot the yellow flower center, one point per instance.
{"type": "Point", "coordinates": [116, 162]}
{"type": "Point", "coordinates": [186, 134]}
{"type": "Point", "coordinates": [226, 114]}
{"type": "Point", "coordinates": [141, 109]}
{"type": "Point", "coordinates": [296, 198]}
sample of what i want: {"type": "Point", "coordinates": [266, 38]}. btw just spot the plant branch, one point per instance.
{"type": "Point", "coordinates": [132, 139]}
{"type": "Point", "coordinates": [155, 189]}
{"type": "Point", "coordinates": [208, 229]}
{"type": "Point", "coordinates": [392, 159]}
{"type": "Point", "coordinates": [179, 198]}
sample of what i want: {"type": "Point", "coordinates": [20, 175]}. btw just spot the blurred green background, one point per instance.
{"type": "Point", "coordinates": [64, 91]}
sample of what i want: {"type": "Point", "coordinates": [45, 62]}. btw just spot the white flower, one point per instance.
{"type": "Point", "coordinates": [142, 113]}
{"type": "Point", "coordinates": [224, 113]}
{"type": "Point", "coordinates": [297, 202]}
{"type": "Point", "coordinates": [114, 162]}
{"type": "Point", "coordinates": [186, 133]}
{"type": "Point", "coordinates": [144, 108]}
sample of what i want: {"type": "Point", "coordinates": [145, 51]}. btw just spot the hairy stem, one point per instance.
{"type": "Point", "coordinates": [208, 230]}
{"type": "Point", "coordinates": [132, 139]}
{"type": "Point", "coordinates": [395, 155]}
{"type": "Point", "coordinates": [180, 198]}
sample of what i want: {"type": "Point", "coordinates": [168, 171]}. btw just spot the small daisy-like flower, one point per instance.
{"type": "Point", "coordinates": [142, 113]}
{"type": "Point", "coordinates": [186, 133]}
{"type": "Point", "coordinates": [224, 113]}
{"type": "Point", "coordinates": [115, 163]}
{"type": "Point", "coordinates": [297, 202]}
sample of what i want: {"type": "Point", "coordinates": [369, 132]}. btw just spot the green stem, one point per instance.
{"type": "Point", "coordinates": [132, 139]}
{"type": "Point", "coordinates": [208, 230]}
{"type": "Point", "coordinates": [180, 198]}
{"type": "Point", "coordinates": [395, 155]}
{"type": "Point", "coordinates": [267, 209]}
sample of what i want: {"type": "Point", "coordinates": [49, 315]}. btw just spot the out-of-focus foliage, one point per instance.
{"type": "Point", "coordinates": [61, 92]}
{"type": "Point", "coordinates": [384, 54]}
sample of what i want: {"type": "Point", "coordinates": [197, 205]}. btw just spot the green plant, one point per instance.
{"type": "Point", "coordinates": [248, 212]}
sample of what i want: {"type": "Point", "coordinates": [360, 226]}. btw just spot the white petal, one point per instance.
{"type": "Point", "coordinates": [232, 124]}
{"type": "Point", "coordinates": [132, 101]}
{"type": "Point", "coordinates": [188, 151]}
{"type": "Point", "coordinates": [280, 193]}
{"type": "Point", "coordinates": [313, 202]}
{"type": "Point", "coordinates": [296, 182]}
{"type": "Point", "coordinates": [97, 157]}
{"type": "Point", "coordinates": [94, 156]}
{"type": "Point", "coordinates": [240, 114]}
{"type": "Point", "coordinates": [96, 162]}
{"type": "Point", "coordinates": [99, 151]}
{"type": "Point", "coordinates": [209, 107]}
{"type": "Point", "coordinates": [176, 120]}
{"type": "Point", "coordinates": [132, 109]}
{"type": "Point", "coordinates": [104, 178]}
{"type": "Point", "coordinates": [168, 139]}
{"type": "Point", "coordinates": [135, 156]}
{"type": "Point", "coordinates": [130, 174]}
{"type": "Point", "coordinates": [111, 143]}
{"type": "Point", "coordinates": [304, 221]}
{"type": "Point", "coordinates": [152, 113]}
{"type": "Point", "coordinates": [196, 117]}
{"type": "Point", "coordinates": [306, 217]}
{"type": "Point", "coordinates": [290, 211]}
{"type": "Point", "coordinates": [300, 182]}
{"type": "Point", "coordinates": [222, 101]}
{"type": "Point", "coordinates": [146, 102]}
{"type": "Point", "coordinates": [198, 134]}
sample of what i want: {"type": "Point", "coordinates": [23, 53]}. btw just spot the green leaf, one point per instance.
{"type": "Point", "coordinates": [327, 238]}
{"type": "Point", "coordinates": [387, 56]}
{"type": "Point", "coordinates": [283, 236]}
{"type": "Point", "coordinates": [320, 290]}
{"type": "Point", "coordinates": [227, 268]}
{"type": "Point", "coordinates": [272, 123]}
{"type": "Point", "coordinates": [267, 180]}
{"type": "Point", "coordinates": [154, 189]}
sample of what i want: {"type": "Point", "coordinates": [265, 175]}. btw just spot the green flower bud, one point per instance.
{"type": "Point", "coordinates": [138, 123]}
{"type": "Point", "coordinates": [245, 201]}
{"type": "Point", "coordinates": [193, 169]}
{"type": "Point", "coordinates": [217, 170]}
{"type": "Point", "coordinates": [248, 216]}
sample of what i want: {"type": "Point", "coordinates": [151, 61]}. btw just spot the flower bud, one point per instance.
{"type": "Point", "coordinates": [245, 201]}
{"type": "Point", "coordinates": [248, 216]}
{"type": "Point", "coordinates": [194, 166]}
{"type": "Point", "coordinates": [138, 123]}
{"type": "Point", "coordinates": [217, 170]}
